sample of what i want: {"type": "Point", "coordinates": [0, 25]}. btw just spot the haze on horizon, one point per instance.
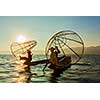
{"type": "Point", "coordinates": [41, 28]}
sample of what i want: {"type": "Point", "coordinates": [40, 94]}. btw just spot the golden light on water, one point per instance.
{"type": "Point", "coordinates": [21, 39]}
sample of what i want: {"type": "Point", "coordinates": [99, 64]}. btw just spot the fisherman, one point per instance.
{"type": "Point", "coordinates": [53, 58]}
{"type": "Point", "coordinates": [29, 55]}
{"type": "Point", "coordinates": [27, 59]}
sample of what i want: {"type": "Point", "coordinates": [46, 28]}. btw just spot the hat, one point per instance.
{"type": "Point", "coordinates": [28, 50]}
{"type": "Point", "coordinates": [52, 49]}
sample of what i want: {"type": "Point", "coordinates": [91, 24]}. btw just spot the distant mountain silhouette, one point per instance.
{"type": "Point", "coordinates": [92, 50]}
{"type": "Point", "coordinates": [87, 50]}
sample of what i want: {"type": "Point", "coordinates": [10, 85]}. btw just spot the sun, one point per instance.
{"type": "Point", "coordinates": [21, 39]}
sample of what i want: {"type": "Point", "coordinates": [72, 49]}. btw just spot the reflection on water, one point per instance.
{"type": "Point", "coordinates": [10, 72]}
{"type": "Point", "coordinates": [22, 74]}
{"type": "Point", "coordinates": [53, 79]}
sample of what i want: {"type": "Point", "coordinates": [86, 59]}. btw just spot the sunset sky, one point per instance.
{"type": "Point", "coordinates": [42, 28]}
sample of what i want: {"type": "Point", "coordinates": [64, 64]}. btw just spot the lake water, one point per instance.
{"type": "Point", "coordinates": [86, 71]}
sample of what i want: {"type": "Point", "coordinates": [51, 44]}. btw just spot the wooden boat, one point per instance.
{"type": "Point", "coordinates": [64, 64]}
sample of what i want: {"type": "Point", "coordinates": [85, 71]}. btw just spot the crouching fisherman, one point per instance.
{"type": "Point", "coordinates": [27, 59]}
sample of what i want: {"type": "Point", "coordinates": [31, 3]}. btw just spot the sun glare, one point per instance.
{"type": "Point", "coordinates": [21, 39]}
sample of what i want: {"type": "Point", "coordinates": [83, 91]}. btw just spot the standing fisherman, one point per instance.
{"type": "Point", "coordinates": [54, 55]}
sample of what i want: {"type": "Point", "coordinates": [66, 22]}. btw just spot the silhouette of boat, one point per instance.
{"type": "Point", "coordinates": [64, 64]}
